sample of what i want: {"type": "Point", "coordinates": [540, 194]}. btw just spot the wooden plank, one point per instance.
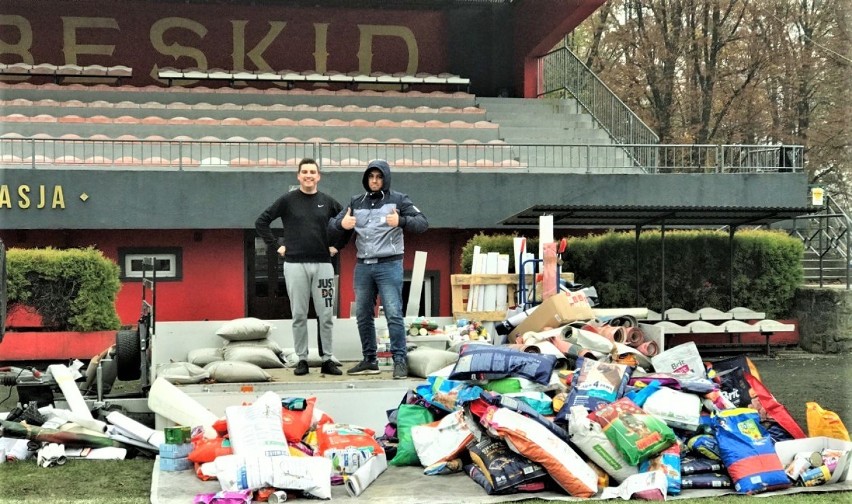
{"type": "Point", "coordinates": [417, 272]}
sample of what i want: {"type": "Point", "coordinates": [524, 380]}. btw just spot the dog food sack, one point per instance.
{"type": "Point", "coordinates": [503, 469]}
{"type": "Point", "coordinates": [596, 383]}
{"type": "Point", "coordinates": [636, 434]}
{"type": "Point", "coordinates": [748, 452]}
{"type": "Point", "coordinates": [532, 440]}
{"type": "Point", "coordinates": [590, 439]}
{"type": "Point", "coordinates": [485, 362]}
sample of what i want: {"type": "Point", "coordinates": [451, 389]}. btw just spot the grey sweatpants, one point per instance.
{"type": "Point", "coordinates": [305, 281]}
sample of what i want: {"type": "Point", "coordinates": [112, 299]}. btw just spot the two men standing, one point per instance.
{"type": "Point", "coordinates": [377, 218]}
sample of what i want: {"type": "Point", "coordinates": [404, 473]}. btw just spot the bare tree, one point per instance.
{"type": "Point", "coordinates": [734, 71]}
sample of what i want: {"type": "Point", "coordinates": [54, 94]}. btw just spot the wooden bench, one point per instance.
{"type": "Point", "coordinates": [61, 72]}
{"type": "Point", "coordinates": [734, 323]}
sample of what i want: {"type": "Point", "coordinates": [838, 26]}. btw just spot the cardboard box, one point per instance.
{"type": "Point", "coordinates": [557, 310]}
{"type": "Point", "coordinates": [787, 449]}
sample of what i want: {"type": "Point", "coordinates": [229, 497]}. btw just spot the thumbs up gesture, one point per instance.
{"type": "Point", "coordinates": [348, 221]}
{"type": "Point", "coordinates": [393, 218]}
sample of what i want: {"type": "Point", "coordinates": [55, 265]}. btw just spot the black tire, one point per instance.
{"type": "Point", "coordinates": [128, 355]}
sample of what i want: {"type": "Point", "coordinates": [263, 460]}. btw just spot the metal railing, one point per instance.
{"type": "Point", "coordinates": [561, 74]}
{"type": "Point", "coordinates": [36, 153]}
{"type": "Point", "coordinates": [828, 236]}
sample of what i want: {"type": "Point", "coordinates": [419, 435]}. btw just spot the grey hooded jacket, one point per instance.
{"type": "Point", "coordinates": [375, 240]}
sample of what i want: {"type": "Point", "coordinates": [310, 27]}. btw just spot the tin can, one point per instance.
{"type": "Point", "coordinates": [277, 497]}
{"type": "Point", "coordinates": [830, 457]}
{"type": "Point", "coordinates": [797, 467]}
{"type": "Point", "coordinates": [174, 435]}
{"type": "Point", "coordinates": [186, 432]}
{"type": "Point", "coordinates": [816, 476]}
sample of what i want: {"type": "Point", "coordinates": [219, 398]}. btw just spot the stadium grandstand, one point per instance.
{"type": "Point", "coordinates": [163, 128]}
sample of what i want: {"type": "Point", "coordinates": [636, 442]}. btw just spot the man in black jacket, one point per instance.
{"type": "Point", "coordinates": [378, 218]}
{"type": "Point", "coordinates": [307, 249]}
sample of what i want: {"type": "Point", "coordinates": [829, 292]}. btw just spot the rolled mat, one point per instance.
{"type": "Point", "coordinates": [649, 348]}
{"type": "Point", "coordinates": [613, 333]}
{"type": "Point", "coordinates": [634, 336]}
{"type": "Point", "coordinates": [358, 481]}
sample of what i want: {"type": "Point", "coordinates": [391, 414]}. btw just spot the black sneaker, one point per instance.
{"type": "Point", "coordinates": [330, 367]}
{"type": "Point", "coordinates": [400, 370]}
{"type": "Point", "coordinates": [301, 368]}
{"type": "Point", "coordinates": [364, 368]}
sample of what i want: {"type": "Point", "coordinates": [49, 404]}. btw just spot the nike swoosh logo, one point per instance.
{"type": "Point", "coordinates": [320, 206]}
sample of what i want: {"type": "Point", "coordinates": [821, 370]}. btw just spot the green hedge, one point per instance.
{"type": "Point", "coordinates": [767, 268]}
{"type": "Point", "coordinates": [72, 289]}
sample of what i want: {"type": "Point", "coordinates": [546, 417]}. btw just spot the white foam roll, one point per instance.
{"type": "Point", "coordinates": [86, 422]}
{"type": "Point", "coordinates": [65, 379]}
{"type": "Point", "coordinates": [130, 426]}
{"type": "Point", "coordinates": [169, 401]}
{"type": "Point", "coordinates": [358, 481]}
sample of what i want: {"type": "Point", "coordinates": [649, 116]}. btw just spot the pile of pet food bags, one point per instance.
{"type": "Point", "coordinates": [600, 424]}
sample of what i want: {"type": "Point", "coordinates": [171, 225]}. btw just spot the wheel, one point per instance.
{"type": "Point", "coordinates": [128, 355]}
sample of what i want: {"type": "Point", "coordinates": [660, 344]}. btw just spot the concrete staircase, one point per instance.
{"type": "Point", "coordinates": [544, 132]}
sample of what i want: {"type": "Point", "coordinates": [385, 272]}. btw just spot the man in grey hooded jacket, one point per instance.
{"type": "Point", "coordinates": [378, 218]}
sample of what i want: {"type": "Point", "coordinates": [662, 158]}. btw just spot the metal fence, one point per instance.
{"type": "Point", "coordinates": [563, 75]}
{"type": "Point", "coordinates": [37, 153]}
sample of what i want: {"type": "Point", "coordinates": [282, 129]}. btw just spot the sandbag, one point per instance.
{"type": "Point", "coordinates": [236, 371]}
{"type": "Point", "coordinates": [423, 361]}
{"type": "Point", "coordinates": [182, 373]}
{"type": "Point", "coordinates": [243, 329]}
{"type": "Point", "coordinates": [203, 356]}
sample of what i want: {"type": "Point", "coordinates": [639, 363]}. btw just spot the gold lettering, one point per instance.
{"type": "Point", "coordinates": [23, 196]}
{"type": "Point", "coordinates": [365, 50]}
{"type": "Point", "coordinates": [175, 50]}
{"type": "Point", "coordinates": [5, 197]}
{"type": "Point", "coordinates": [41, 202]}
{"type": "Point", "coordinates": [256, 54]}
{"type": "Point", "coordinates": [22, 47]}
{"type": "Point", "coordinates": [321, 47]}
{"type": "Point", "coordinates": [72, 49]}
{"type": "Point", "coordinates": [58, 197]}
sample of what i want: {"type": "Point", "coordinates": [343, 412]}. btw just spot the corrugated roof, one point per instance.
{"type": "Point", "coordinates": [632, 216]}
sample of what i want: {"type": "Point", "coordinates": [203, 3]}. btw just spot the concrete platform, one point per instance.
{"type": "Point", "coordinates": [408, 485]}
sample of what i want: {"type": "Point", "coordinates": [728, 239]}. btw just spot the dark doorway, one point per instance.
{"type": "Point", "coordinates": [266, 289]}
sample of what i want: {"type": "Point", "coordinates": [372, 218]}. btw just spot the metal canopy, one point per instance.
{"type": "Point", "coordinates": [648, 215]}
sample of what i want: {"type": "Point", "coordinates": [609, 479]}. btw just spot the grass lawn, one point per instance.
{"type": "Point", "coordinates": [824, 379]}
{"type": "Point", "coordinates": [129, 482]}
